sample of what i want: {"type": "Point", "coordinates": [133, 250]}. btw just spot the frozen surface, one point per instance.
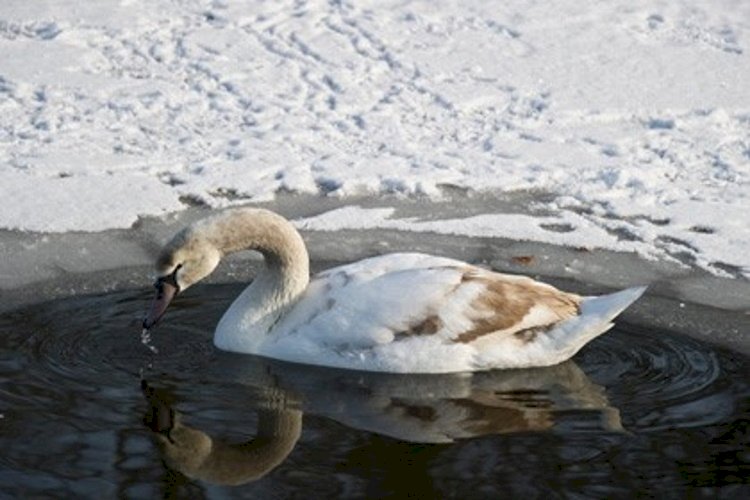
{"type": "Point", "coordinates": [631, 117]}
{"type": "Point", "coordinates": [687, 299]}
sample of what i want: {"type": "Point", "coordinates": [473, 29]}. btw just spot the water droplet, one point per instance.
{"type": "Point", "coordinates": [146, 340]}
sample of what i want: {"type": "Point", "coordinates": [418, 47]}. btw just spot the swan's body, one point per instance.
{"type": "Point", "coordinates": [394, 313]}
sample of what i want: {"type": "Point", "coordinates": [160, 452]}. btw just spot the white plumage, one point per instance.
{"type": "Point", "coordinates": [405, 312]}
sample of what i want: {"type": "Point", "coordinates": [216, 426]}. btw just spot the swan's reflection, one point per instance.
{"type": "Point", "coordinates": [199, 456]}
{"type": "Point", "coordinates": [423, 408]}
{"type": "Point", "coordinates": [434, 408]}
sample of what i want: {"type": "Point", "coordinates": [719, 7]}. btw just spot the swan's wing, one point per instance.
{"type": "Point", "coordinates": [400, 296]}
{"type": "Point", "coordinates": [366, 303]}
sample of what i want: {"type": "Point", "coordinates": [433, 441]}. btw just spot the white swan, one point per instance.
{"type": "Point", "coordinates": [405, 312]}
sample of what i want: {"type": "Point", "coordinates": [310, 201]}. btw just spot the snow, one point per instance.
{"type": "Point", "coordinates": [631, 118]}
{"type": "Point", "coordinates": [571, 230]}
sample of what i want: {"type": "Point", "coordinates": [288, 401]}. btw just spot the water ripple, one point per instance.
{"type": "Point", "coordinates": [664, 380]}
{"type": "Point", "coordinates": [641, 404]}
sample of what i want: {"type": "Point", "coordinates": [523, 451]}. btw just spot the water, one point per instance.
{"type": "Point", "coordinates": [88, 410]}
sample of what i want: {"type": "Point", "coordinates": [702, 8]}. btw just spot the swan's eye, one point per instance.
{"type": "Point", "coordinates": [170, 279]}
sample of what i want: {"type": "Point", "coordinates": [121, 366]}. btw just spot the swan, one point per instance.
{"type": "Point", "coordinates": [400, 312]}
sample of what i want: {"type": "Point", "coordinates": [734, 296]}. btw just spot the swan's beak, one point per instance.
{"type": "Point", "coordinates": [159, 417]}
{"type": "Point", "coordinates": [165, 292]}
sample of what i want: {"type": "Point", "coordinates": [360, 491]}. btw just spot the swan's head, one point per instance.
{"type": "Point", "coordinates": [185, 449]}
{"type": "Point", "coordinates": [184, 261]}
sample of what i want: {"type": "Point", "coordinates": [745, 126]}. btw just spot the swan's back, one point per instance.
{"type": "Point", "coordinates": [419, 313]}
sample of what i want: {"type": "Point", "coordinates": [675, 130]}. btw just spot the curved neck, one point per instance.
{"type": "Point", "coordinates": [276, 287]}
{"type": "Point", "coordinates": [198, 455]}
{"type": "Point", "coordinates": [287, 262]}
{"type": "Point", "coordinates": [278, 433]}
{"type": "Point", "coordinates": [266, 232]}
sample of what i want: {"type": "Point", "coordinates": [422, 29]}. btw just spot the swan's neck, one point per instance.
{"type": "Point", "coordinates": [268, 233]}
{"type": "Point", "coordinates": [197, 455]}
{"type": "Point", "coordinates": [276, 287]}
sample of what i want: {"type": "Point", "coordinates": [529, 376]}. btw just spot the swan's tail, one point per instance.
{"type": "Point", "coordinates": [607, 307]}
{"type": "Point", "coordinates": [596, 318]}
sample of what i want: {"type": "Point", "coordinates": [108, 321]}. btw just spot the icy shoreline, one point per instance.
{"type": "Point", "coordinates": [605, 143]}
{"type": "Point", "coordinates": [40, 267]}
{"type": "Point", "coordinates": [631, 117]}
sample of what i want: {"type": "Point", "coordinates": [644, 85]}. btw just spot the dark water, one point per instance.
{"type": "Point", "coordinates": [638, 413]}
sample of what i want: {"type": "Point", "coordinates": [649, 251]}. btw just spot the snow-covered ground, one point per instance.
{"type": "Point", "coordinates": [629, 119]}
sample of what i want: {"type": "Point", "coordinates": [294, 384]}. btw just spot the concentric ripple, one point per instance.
{"type": "Point", "coordinates": [83, 337]}
{"type": "Point", "coordinates": [95, 340]}
{"type": "Point", "coordinates": [674, 380]}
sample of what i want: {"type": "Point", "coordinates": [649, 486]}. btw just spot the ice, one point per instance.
{"type": "Point", "coordinates": [615, 126]}
{"type": "Point", "coordinates": [624, 112]}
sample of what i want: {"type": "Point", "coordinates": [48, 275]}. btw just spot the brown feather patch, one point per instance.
{"type": "Point", "coordinates": [429, 326]}
{"type": "Point", "coordinates": [528, 335]}
{"type": "Point", "coordinates": [508, 301]}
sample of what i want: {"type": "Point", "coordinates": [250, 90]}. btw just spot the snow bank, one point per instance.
{"type": "Point", "coordinates": [634, 115]}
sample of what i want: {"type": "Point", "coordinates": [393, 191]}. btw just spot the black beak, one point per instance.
{"type": "Point", "coordinates": [160, 417]}
{"type": "Point", "coordinates": [166, 289]}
